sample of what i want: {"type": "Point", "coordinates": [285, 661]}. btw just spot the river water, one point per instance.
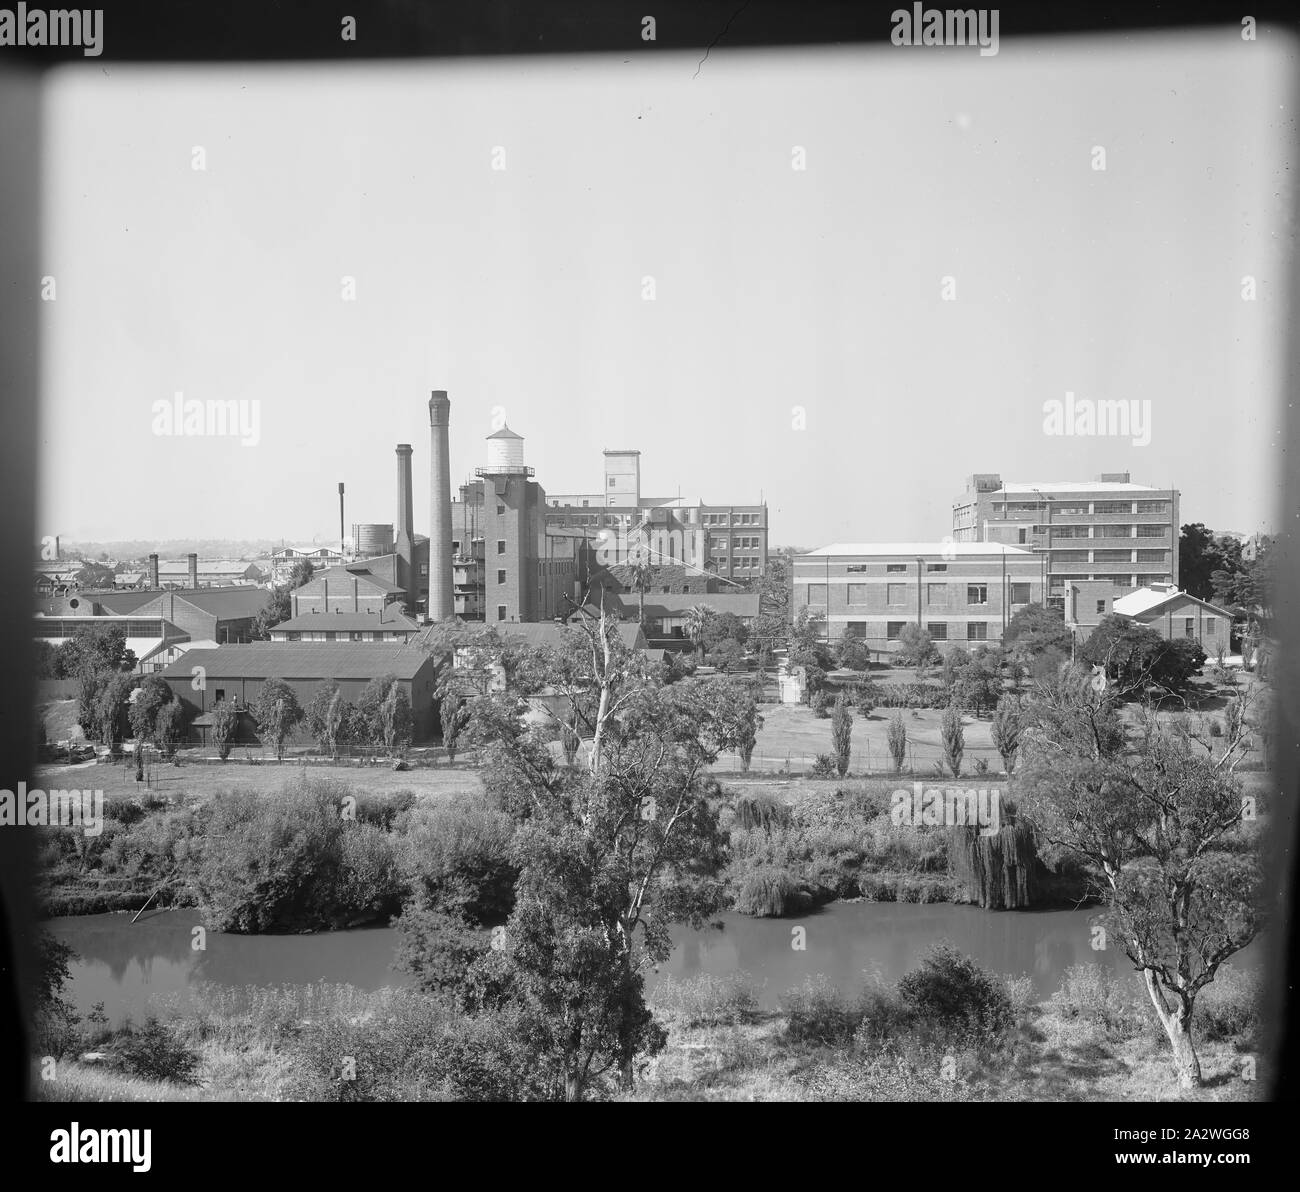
{"type": "Point", "coordinates": [124, 965]}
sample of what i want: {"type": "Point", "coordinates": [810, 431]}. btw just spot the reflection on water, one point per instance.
{"type": "Point", "coordinates": [124, 965]}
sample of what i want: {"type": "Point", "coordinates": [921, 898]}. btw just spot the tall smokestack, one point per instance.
{"type": "Point", "coordinates": [153, 572]}
{"type": "Point", "coordinates": [441, 606]}
{"type": "Point", "coordinates": [194, 570]}
{"type": "Point", "coordinates": [404, 547]}
{"type": "Point", "coordinates": [343, 542]}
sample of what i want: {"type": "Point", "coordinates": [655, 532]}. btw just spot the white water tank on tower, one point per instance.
{"type": "Point", "coordinates": [505, 451]}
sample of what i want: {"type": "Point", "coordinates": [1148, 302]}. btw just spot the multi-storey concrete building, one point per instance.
{"type": "Point", "coordinates": [728, 540]}
{"type": "Point", "coordinates": [960, 592]}
{"type": "Point", "coordinates": [1107, 530]}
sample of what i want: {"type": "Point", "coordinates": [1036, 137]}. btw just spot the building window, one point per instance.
{"type": "Point", "coordinates": [1152, 531]}
{"type": "Point", "coordinates": [221, 694]}
{"type": "Point", "coordinates": [977, 631]}
{"type": "Point", "coordinates": [938, 631]}
{"type": "Point", "coordinates": [857, 593]}
{"type": "Point", "coordinates": [936, 567]}
{"type": "Point", "coordinates": [1069, 532]}
{"type": "Point", "coordinates": [977, 593]}
{"type": "Point", "coordinates": [1101, 606]}
{"type": "Point", "coordinates": [585, 505]}
{"type": "Point", "coordinates": [1211, 624]}
{"type": "Point", "coordinates": [501, 612]}
{"type": "Point", "coordinates": [936, 593]}
{"type": "Point", "coordinates": [892, 630]}
{"type": "Point", "coordinates": [501, 546]}
{"type": "Point", "coordinates": [895, 567]}
{"type": "Point", "coordinates": [896, 593]}
{"type": "Point", "coordinates": [1111, 556]}
{"type": "Point", "coordinates": [357, 635]}
{"type": "Point", "coordinates": [293, 635]}
{"type": "Point", "coordinates": [855, 567]}
{"type": "Point", "coordinates": [816, 593]}
{"type": "Point", "coordinates": [1152, 507]}
{"type": "Point", "coordinates": [1019, 593]}
{"type": "Point", "coordinates": [501, 575]}
{"type": "Point", "coordinates": [1153, 556]}
{"type": "Point", "coordinates": [856, 629]}
{"type": "Point", "coordinates": [1112, 507]}
{"type": "Point", "coordinates": [1189, 626]}
{"type": "Point", "coordinates": [424, 568]}
{"type": "Point", "coordinates": [500, 509]}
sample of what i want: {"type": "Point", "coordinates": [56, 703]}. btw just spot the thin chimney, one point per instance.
{"type": "Point", "coordinates": [194, 569]}
{"type": "Point", "coordinates": [153, 572]}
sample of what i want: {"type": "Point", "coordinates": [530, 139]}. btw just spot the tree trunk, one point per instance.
{"type": "Point", "coordinates": [1178, 1027]}
{"type": "Point", "coordinates": [572, 1086]}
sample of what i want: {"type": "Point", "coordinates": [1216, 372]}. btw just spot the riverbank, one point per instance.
{"type": "Point", "coordinates": [1091, 1041]}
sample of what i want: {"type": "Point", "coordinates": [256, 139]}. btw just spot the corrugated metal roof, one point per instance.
{"type": "Point", "coordinates": [668, 604]}
{"type": "Point", "coordinates": [390, 618]}
{"type": "Point", "coordinates": [547, 633]}
{"type": "Point", "coordinates": [304, 660]}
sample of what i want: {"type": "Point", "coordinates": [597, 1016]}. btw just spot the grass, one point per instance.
{"type": "Point", "coordinates": [205, 780]}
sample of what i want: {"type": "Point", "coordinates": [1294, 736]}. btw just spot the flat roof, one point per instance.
{"type": "Point", "coordinates": [953, 549]}
{"type": "Point", "coordinates": [1077, 486]}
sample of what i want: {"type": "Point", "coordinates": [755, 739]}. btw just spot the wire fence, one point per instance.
{"type": "Point", "coordinates": [920, 760]}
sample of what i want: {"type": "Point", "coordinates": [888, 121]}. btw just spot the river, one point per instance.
{"type": "Point", "coordinates": [124, 965]}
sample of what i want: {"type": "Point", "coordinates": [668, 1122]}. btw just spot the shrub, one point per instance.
{"type": "Point", "coordinates": [769, 892]}
{"type": "Point", "coordinates": [819, 702]}
{"type": "Point", "coordinates": [462, 845]}
{"type": "Point", "coordinates": [824, 766]}
{"type": "Point", "coordinates": [866, 698]}
{"type": "Point", "coordinates": [382, 808]}
{"type": "Point", "coordinates": [762, 810]}
{"type": "Point", "coordinates": [705, 999]}
{"type": "Point", "coordinates": [153, 1052]}
{"type": "Point", "coordinates": [897, 738]}
{"type": "Point", "coordinates": [842, 734]}
{"type": "Point", "coordinates": [1229, 1007]}
{"type": "Point", "coordinates": [953, 737]}
{"type": "Point", "coordinates": [1093, 993]}
{"type": "Point", "coordinates": [817, 1013]}
{"type": "Point", "coordinates": [954, 996]}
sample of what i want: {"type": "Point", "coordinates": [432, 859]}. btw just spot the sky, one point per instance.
{"type": "Point", "coordinates": [802, 345]}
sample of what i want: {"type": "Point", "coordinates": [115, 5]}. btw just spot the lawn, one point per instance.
{"type": "Point", "coordinates": [441, 782]}
{"type": "Point", "coordinates": [792, 734]}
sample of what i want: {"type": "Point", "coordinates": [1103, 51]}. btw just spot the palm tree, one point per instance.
{"type": "Point", "coordinates": [697, 619]}
{"type": "Point", "coordinates": [642, 573]}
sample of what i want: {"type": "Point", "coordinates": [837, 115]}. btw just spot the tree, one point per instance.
{"type": "Point", "coordinates": [1160, 828]}
{"type": "Point", "coordinates": [852, 651]}
{"type": "Point", "coordinates": [326, 716]}
{"type": "Point", "coordinates": [46, 660]}
{"type": "Point", "coordinates": [1034, 631]}
{"type": "Point", "coordinates": [153, 695]}
{"type": "Point", "coordinates": [1136, 657]}
{"type": "Point", "coordinates": [609, 855]}
{"type": "Point", "coordinates": [395, 717]}
{"type": "Point", "coordinates": [768, 634]}
{"type": "Point", "coordinates": [1245, 583]}
{"type": "Point", "coordinates": [724, 626]}
{"type": "Point", "coordinates": [915, 648]}
{"type": "Point", "coordinates": [169, 727]}
{"type": "Point", "coordinates": [727, 655]}
{"type": "Point", "coordinates": [225, 724]}
{"type": "Point", "coordinates": [953, 737]}
{"type": "Point", "coordinates": [977, 684]}
{"type": "Point", "coordinates": [97, 647]}
{"type": "Point", "coordinates": [454, 714]}
{"type": "Point", "coordinates": [276, 712]}
{"type": "Point", "coordinates": [642, 574]}
{"type": "Point", "coordinates": [698, 617]}
{"type": "Point", "coordinates": [1200, 554]}
{"type": "Point", "coordinates": [1006, 730]}
{"type": "Point", "coordinates": [110, 703]}
{"type": "Point", "coordinates": [278, 608]}
{"type": "Point", "coordinates": [751, 720]}
{"type": "Point", "coordinates": [896, 736]}
{"type": "Point", "coordinates": [842, 733]}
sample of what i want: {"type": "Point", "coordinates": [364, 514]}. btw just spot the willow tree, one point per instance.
{"type": "Point", "coordinates": [610, 854]}
{"type": "Point", "coordinates": [1160, 822]}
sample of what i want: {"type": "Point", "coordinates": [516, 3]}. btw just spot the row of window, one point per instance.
{"type": "Point", "coordinates": [1080, 509]}
{"type": "Point", "coordinates": [976, 631]}
{"type": "Point", "coordinates": [937, 594]}
{"type": "Point", "coordinates": [1139, 531]}
{"type": "Point", "coordinates": [333, 635]}
{"type": "Point", "coordinates": [736, 519]}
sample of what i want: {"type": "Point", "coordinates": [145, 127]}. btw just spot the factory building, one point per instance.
{"type": "Point", "coordinates": [727, 540]}
{"type": "Point", "coordinates": [1109, 529]}
{"type": "Point", "coordinates": [964, 592]}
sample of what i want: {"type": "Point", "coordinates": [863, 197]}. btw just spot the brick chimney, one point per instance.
{"type": "Point", "coordinates": [153, 572]}
{"type": "Point", "coordinates": [194, 570]}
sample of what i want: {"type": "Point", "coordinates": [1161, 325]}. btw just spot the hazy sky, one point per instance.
{"type": "Point", "coordinates": [775, 288]}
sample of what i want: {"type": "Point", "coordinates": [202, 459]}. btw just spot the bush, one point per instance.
{"type": "Point", "coordinates": [817, 1013]}
{"type": "Point", "coordinates": [866, 698]}
{"type": "Point", "coordinates": [1094, 993]}
{"type": "Point", "coordinates": [383, 809]}
{"type": "Point", "coordinates": [769, 892]}
{"type": "Point", "coordinates": [820, 703]}
{"type": "Point", "coordinates": [464, 846]}
{"type": "Point", "coordinates": [824, 766]}
{"type": "Point", "coordinates": [1229, 1007]}
{"type": "Point", "coordinates": [955, 997]}
{"type": "Point", "coordinates": [705, 999]}
{"type": "Point", "coordinates": [762, 810]}
{"type": "Point", "coordinates": [153, 1052]}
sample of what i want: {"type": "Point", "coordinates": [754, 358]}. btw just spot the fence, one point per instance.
{"type": "Point", "coordinates": [921, 761]}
